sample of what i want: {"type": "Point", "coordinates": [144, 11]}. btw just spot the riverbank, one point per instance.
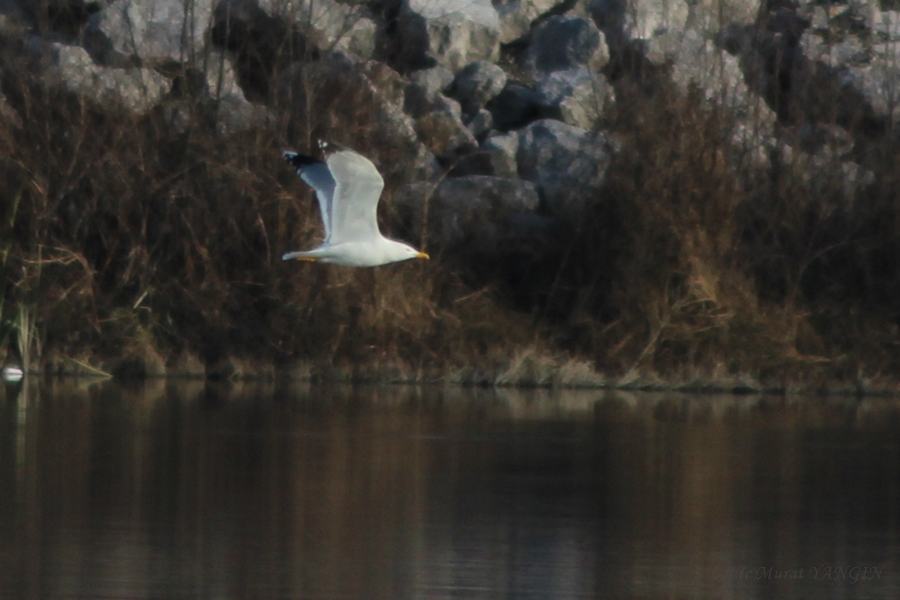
{"type": "Point", "coordinates": [668, 238]}
{"type": "Point", "coordinates": [528, 369]}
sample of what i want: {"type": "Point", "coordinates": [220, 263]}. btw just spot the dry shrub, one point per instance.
{"type": "Point", "coordinates": [130, 225]}
{"type": "Point", "coordinates": [677, 296]}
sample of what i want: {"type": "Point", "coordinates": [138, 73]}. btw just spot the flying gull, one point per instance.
{"type": "Point", "coordinates": [348, 187]}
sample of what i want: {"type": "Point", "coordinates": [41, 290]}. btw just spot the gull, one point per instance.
{"type": "Point", "coordinates": [11, 373]}
{"type": "Point", "coordinates": [348, 187]}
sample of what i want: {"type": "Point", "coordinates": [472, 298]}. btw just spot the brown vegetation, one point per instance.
{"type": "Point", "coordinates": [130, 237]}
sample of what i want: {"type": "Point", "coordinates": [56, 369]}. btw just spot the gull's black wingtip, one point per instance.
{"type": "Point", "coordinates": [299, 160]}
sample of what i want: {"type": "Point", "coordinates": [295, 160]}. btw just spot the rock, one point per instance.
{"type": "Point", "coordinates": [711, 16]}
{"type": "Point", "coordinates": [438, 121]}
{"type": "Point", "coordinates": [577, 97]}
{"type": "Point", "coordinates": [473, 210]}
{"type": "Point", "coordinates": [419, 100]}
{"type": "Point", "coordinates": [514, 107]}
{"type": "Point", "coordinates": [642, 19]}
{"type": "Point", "coordinates": [148, 32]}
{"type": "Point", "coordinates": [823, 172]}
{"type": "Point", "coordinates": [233, 111]}
{"type": "Point", "coordinates": [136, 90]}
{"type": "Point", "coordinates": [697, 63]}
{"type": "Point", "coordinates": [612, 18]}
{"type": "Point", "coordinates": [504, 148]}
{"type": "Point", "coordinates": [13, 21]}
{"type": "Point", "coordinates": [445, 135]}
{"type": "Point", "coordinates": [496, 157]}
{"type": "Point", "coordinates": [476, 84]}
{"type": "Point", "coordinates": [886, 25]}
{"type": "Point", "coordinates": [335, 25]}
{"type": "Point", "coordinates": [818, 138]}
{"type": "Point", "coordinates": [234, 114]}
{"type": "Point", "coordinates": [362, 99]}
{"type": "Point", "coordinates": [451, 33]}
{"type": "Point", "coordinates": [566, 163]}
{"type": "Point", "coordinates": [566, 42]}
{"type": "Point", "coordinates": [874, 84]}
{"type": "Point", "coordinates": [858, 53]}
{"type": "Point", "coordinates": [324, 25]}
{"type": "Point", "coordinates": [481, 124]}
{"type": "Point", "coordinates": [437, 78]}
{"type": "Point", "coordinates": [849, 51]}
{"type": "Point", "coordinates": [517, 16]}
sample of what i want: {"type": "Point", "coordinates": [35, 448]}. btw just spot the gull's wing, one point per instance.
{"type": "Point", "coordinates": [318, 176]}
{"type": "Point", "coordinates": [357, 188]}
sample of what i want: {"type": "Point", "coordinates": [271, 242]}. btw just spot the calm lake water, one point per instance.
{"type": "Point", "coordinates": [195, 490]}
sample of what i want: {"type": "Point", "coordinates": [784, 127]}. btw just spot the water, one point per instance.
{"type": "Point", "coordinates": [191, 490]}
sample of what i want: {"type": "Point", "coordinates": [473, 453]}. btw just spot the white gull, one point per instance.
{"type": "Point", "coordinates": [348, 187]}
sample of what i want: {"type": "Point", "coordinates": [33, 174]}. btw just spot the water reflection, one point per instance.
{"type": "Point", "coordinates": [196, 490]}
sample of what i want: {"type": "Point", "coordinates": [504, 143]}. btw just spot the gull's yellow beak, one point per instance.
{"type": "Point", "coordinates": [422, 255]}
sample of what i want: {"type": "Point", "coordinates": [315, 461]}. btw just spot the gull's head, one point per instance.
{"type": "Point", "coordinates": [413, 253]}
{"type": "Point", "coordinates": [400, 251]}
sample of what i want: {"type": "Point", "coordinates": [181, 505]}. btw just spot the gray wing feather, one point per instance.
{"type": "Point", "coordinates": [318, 176]}
{"type": "Point", "coordinates": [358, 187]}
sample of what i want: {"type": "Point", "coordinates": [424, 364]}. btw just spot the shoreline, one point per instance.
{"type": "Point", "coordinates": [553, 377]}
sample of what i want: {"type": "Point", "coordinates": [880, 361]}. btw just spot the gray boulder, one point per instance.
{"type": "Point", "coordinates": [438, 121]}
{"type": "Point", "coordinates": [213, 82]}
{"type": "Point", "coordinates": [148, 32]}
{"type": "Point", "coordinates": [698, 63]}
{"type": "Point", "coordinates": [438, 78]}
{"type": "Point", "coordinates": [419, 100]}
{"type": "Point", "coordinates": [362, 99]}
{"type": "Point", "coordinates": [504, 148]}
{"type": "Point", "coordinates": [566, 42]}
{"type": "Point", "coordinates": [233, 111]}
{"type": "Point", "coordinates": [451, 33]}
{"type": "Point", "coordinates": [473, 210]}
{"type": "Point", "coordinates": [326, 25]}
{"type": "Point", "coordinates": [136, 90]}
{"type": "Point", "coordinates": [859, 53]}
{"type": "Point", "coordinates": [476, 84]}
{"type": "Point", "coordinates": [14, 21]}
{"type": "Point", "coordinates": [516, 106]}
{"type": "Point", "coordinates": [517, 16]}
{"type": "Point", "coordinates": [481, 124]}
{"type": "Point", "coordinates": [822, 171]}
{"type": "Point", "coordinates": [639, 19]}
{"type": "Point", "coordinates": [712, 16]}
{"type": "Point", "coordinates": [577, 97]}
{"type": "Point", "coordinates": [335, 25]}
{"type": "Point", "coordinates": [566, 163]}
{"type": "Point", "coordinates": [496, 157]}
{"type": "Point", "coordinates": [445, 135]}
{"type": "Point", "coordinates": [624, 20]}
